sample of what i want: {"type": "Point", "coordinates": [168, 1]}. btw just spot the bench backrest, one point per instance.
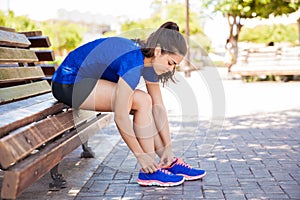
{"type": "Point", "coordinates": [21, 77]}
{"type": "Point", "coordinates": [269, 56]}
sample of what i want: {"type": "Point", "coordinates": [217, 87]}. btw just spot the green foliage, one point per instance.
{"type": "Point", "coordinates": [276, 7]}
{"type": "Point", "coordinates": [3, 19]}
{"type": "Point", "coordinates": [177, 13]}
{"type": "Point", "coordinates": [242, 8]}
{"type": "Point", "coordinates": [140, 29]}
{"type": "Point", "coordinates": [238, 10]}
{"type": "Point", "coordinates": [278, 78]}
{"type": "Point", "coordinates": [64, 35]}
{"type": "Point", "coordinates": [254, 8]}
{"type": "Point", "coordinates": [19, 23]}
{"type": "Point", "coordinates": [200, 40]}
{"type": "Point", "coordinates": [172, 12]}
{"type": "Point", "coordinates": [267, 33]}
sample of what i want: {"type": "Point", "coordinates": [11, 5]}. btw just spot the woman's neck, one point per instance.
{"type": "Point", "coordinates": [147, 62]}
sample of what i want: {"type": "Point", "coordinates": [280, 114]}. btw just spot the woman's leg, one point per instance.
{"type": "Point", "coordinates": [102, 99]}
{"type": "Point", "coordinates": [162, 141]}
{"type": "Point", "coordinates": [147, 128]}
{"type": "Point", "coordinates": [143, 122]}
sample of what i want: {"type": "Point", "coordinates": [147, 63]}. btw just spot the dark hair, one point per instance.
{"type": "Point", "coordinates": [170, 40]}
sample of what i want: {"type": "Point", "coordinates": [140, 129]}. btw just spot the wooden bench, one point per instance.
{"type": "Point", "coordinates": [268, 61]}
{"type": "Point", "coordinates": [36, 131]}
{"type": "Point", "coordinates": [39, 41]}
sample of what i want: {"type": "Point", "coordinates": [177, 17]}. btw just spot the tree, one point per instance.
{"type": "Point", "coordinates": [19, 23]}
{"type": "Point", "coordinates": [236, 11]}
{"type": "Point", "coordinates": [172, 11]}
{"type": "Point", "coordinates": [267, 33]}
{"type": "Point", "coordinates": [64, 35]}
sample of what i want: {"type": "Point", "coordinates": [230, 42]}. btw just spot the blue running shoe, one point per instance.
{"type": "Point", "coordinates": [179, 167]}
{"type": "Point", "coordinates": [159, 178]}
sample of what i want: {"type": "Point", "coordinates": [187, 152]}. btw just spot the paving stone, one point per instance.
{"type": "Point", "coordinates": [213, 193]}
{"type": "Point", "coordinates": [115, 189]}
{"type": "Point", "coordinates": [235, 196]}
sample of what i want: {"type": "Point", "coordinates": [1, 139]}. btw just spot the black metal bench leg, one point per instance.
{"type": "Point", "coordinates": [87, 151]}
{"type": "Point", "coordinates": [58, 180]}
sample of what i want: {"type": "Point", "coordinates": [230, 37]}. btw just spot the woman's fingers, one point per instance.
{"type": "Point", "coordinates": [150, 168]}
{"type": "Point", "coordinates": [148, 164]}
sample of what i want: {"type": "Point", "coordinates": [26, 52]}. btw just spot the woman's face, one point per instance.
{"type": "Point", "coordinates": [163, 63]}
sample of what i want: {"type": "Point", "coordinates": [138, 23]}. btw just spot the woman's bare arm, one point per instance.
{"type": "Point", "coordinates": [162, 124]}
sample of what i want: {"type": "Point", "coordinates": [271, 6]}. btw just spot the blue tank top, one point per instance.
{"type": "Point", "coordinates": [105, 58]}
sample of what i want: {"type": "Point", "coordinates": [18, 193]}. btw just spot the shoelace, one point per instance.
{"type": "Point", "coordinates": [180, 162]}
{"type": "Point", "coordinates": [165, 171]}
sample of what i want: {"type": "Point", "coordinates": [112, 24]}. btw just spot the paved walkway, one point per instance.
{"type": "Point", "coordinates": [255, 156]}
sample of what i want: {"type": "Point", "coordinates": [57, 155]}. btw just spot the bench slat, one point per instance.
{"type": "Point", "coordinates": [39, 41]}
{"type": "Point", "coordinates": [275, 72]}
{"type": "Point", "coordinates": [25, 173]}
{"type": "Point", "coordinates": [45, 55]}
{"type": "Point", "coordinates": [13, 39]}
{"type": "Point", "coordinates": [15, 74]}
{"type": "Point", "coordinates": [48, 69]}
{"type": "Point", "coordinates": [4, 28]}
{"type": "Point", "coordinates": [17, 55]}
{"type": "Point", "coordinates": [18, 145]}
{"type": "Point", "coordinates": [23, 91]}
{"type": "Point", "coordinates": [31, 33]}
{"type": "Point", "coordinates": [4, 108]}
{"type": "Point", "coordinates": [23, 116]}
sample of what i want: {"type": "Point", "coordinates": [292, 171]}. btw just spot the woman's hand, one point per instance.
{"type": "Point", "coordinates": [147, 162]}
{"type": "Point", "coordinates": [167, 157]}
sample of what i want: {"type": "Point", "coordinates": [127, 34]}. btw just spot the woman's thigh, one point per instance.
{"type": "Point", "coordinates": [101, 98]}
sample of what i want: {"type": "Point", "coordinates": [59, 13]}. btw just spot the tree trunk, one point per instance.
{"type": "Point", "coordinates": [298, 30]}
{"type": "Point", "coordinates": [187, 35]}
{"type": "Point", "coordinates": [235, 27]}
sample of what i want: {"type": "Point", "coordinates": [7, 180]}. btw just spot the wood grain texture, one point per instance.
{"type": "Point", "coordinates": [17, 55]}
{"type": "Point", "coordinates": [13, 39]}
{"type": "Point", "coordinates": [15, 74]}
{"type": "Point", "coordinates": [25, 173]}
{"type": "Point", "coordinates": [23, 91]}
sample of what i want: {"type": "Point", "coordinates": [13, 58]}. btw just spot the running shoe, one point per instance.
{"type": "Point", "coordinates": [159, 178]}
{"type": "Point", "coordinates": [179, 167]}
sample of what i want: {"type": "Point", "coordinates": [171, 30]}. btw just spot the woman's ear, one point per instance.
{"type": "Point", "coordinates": [157, 51]}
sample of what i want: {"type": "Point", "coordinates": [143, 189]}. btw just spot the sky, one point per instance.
{"type": "Point", "coordinates": [46, 9]}
{"type": "Point", "coordinates": [216, 28]}
{"type": "Point", "coordinates": [130, 9]}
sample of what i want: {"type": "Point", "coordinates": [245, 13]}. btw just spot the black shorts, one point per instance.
{"type": "Point", "coordinates": [75, 94]}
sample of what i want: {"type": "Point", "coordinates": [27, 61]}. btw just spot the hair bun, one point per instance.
{"type": "Point", "coordinates": [170, 25]}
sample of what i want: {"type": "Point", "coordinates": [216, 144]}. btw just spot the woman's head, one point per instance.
{"type": "Point", "coordinates": [168, 38]}
{"type": "Point", "coordinates": [166, 47]}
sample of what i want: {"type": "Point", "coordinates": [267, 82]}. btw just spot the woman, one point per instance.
{"type": "Point", "coordinates": [102, 75]}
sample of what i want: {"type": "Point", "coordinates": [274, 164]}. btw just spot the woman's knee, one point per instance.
{"type": "Point", "coordinates": [141, 100]}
